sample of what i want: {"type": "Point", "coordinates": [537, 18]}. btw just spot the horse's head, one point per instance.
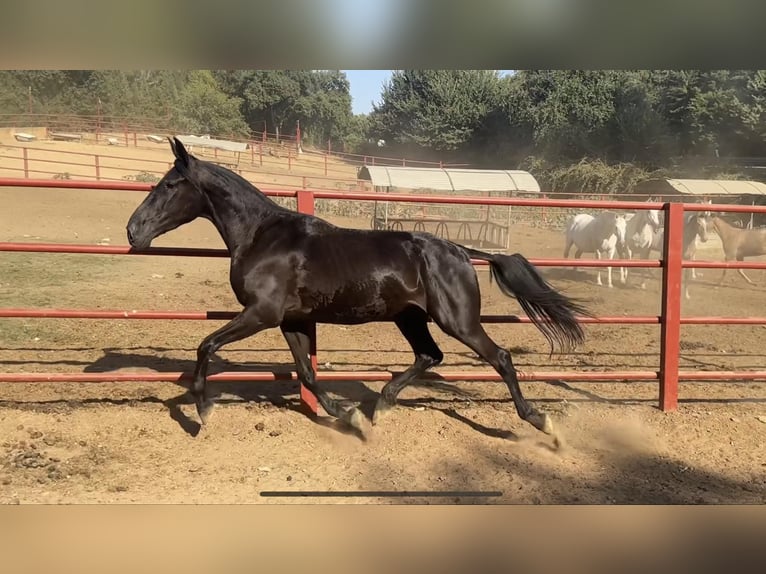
{"type": "Point", "coordinates": [175, 200]}
{"type": "Point", "coordinates": [653, 217]}
{"type": "Point", "coordinates": [621, 231]}
{"type": "Point", "coordinates": [702, 220]}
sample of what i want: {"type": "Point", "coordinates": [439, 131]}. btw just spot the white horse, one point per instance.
{"type": "Point", "coordinates": [603, 235]}
{"type": "Point", "coordinates": [642, 227]}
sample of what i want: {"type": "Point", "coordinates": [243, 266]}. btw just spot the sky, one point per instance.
{"type": "Point", "coordinates": [367, 85]}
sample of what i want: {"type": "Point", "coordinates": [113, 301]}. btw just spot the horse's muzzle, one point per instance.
{"type": "Point", "coordinates": [136, 238]}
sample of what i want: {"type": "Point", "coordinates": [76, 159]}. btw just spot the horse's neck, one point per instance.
{"type": "Point", "coordinates": [723, 229]}
{"type": "Point", "coordinates": [691, 231]}
{"type": "Point", "coordinates": [237, 212]}
{"type": "Point", "coordinates": [639, 221]}
{"type": "Point", "coordinates": [605, 226]}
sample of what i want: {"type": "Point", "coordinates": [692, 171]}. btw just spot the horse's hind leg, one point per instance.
{"type": "Point", "coordinates": [249, 322]}
{"type": "Point", "coordinates": [567, 247]}
{"type": "Point", "coordinates": [414, 326]}
{"type": "Point", "coordinates": [298, 340]}
{"type": "Point", "coordinates": [598, 274]}
{"type": "Point", "coordinates": [461, 320]}
{"type": "Point", "coordinates": [577, 255]}
{"type": "Point", "coordinates": [742, 272]}
{"type": "Point", "coordinates": [645, 272]}
{"type": "Point", "coordinates": [476, 338]}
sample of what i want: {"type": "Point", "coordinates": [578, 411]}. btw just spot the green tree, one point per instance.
{"type": "Point", "coordinates": [275, 100]}
{"type": "Point", "coordinates": [568, 112]}
{"type": "Point", "coordinates": [435, 109]}
{"type": "Point", "coordinates": [203, 108]}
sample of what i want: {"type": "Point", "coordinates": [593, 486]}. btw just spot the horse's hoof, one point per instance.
{"type": "Point", "coordinates": [354, 418]}
{"type": "Point", "coordinates": [542, 422]}
{"type": "Point", "coordinates": [382, 410]}
{"type": "Point", "coordinates": [204, 410]}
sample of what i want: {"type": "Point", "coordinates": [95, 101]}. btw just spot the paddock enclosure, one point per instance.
{"type": "Point", "coordinates": [663, 404]}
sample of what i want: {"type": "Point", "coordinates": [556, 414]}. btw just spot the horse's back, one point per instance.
{"type": "Point", "coordinates": [354, 276]}
{"type": "Point", "coordinates": [579, 221]}
{"type": "Point", "coordinates": [584, 232]}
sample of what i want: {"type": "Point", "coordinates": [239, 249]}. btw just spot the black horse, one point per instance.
{"type": "Point", "coordinates": [290, 270]}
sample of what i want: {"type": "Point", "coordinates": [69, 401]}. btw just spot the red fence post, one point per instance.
{"type": "Point", "coordinates": [305, 200]}
{"type": "Point", "coordinates": [98, 167]}
{"type": "Point", "coordinates": [670, 319]}
{"type": "Point", "coordinates": [25, 154]}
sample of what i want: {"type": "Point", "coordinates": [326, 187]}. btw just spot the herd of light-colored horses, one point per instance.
{"type": "Point", "coordinates": [637, 235]}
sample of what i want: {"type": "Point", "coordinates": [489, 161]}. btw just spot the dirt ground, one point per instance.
{"type": "Point", "coordinates": [133, 442]}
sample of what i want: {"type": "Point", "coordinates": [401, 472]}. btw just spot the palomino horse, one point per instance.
{"type": "Point", "coordinates": [640, 233]}
{"type": "Point", "coordinates": [739, 243]}
{"type": "Point", "coordinates": [603, 235]}
{"type": "Point", "coordinates": [290, 270]}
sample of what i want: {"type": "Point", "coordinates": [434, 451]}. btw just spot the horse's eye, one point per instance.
{"type": "Point", "coordinates": [170, 184]}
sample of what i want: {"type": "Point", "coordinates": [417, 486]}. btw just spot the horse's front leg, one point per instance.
{"type": "Point", "coordinates": [693, 257]}
{"type": "Point", "coordinates": [610, 254]}
{"type": "Point", "coordinates": [250, 321]}
{"type": "Point", "coordinates": [299, 341]}
{"type": "Point", "coordinates": [744, 276]}
{"type": "Point", "coordinates": [598, 274]}
{"type": "Point", "coordinates": [624, 270]}
{"type": "Point", "coordinates": [645, 272]}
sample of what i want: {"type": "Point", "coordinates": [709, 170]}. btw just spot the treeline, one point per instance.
{"type": "Point", "coordinates": [223, 103]}
{"type": "Point", "coordinates": [600, 129]}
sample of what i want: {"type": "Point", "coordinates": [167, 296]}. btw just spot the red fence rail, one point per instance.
{"type": "Point", "coordinates": [669, 319]}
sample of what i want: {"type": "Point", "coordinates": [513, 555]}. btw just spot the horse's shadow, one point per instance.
{"type": "Point", "coordinates": [283, 392]}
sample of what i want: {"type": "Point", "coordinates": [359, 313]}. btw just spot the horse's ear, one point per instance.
{"type": "Point", "coordinates": [179, 151]}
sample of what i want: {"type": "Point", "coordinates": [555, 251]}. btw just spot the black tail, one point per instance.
{"type": "Point", "coordinates": [551, 312]}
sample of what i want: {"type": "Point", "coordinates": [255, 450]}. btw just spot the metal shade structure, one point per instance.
{"type": "Point", "coordinates": [450, 179]}
{"type": "Point", "coordinates": [488, 231]}
{"type": "Point", "coordinates": [701, 187]}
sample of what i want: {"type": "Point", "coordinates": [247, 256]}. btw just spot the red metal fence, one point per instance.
{"type": "Point", "coordinates": [669, 320]}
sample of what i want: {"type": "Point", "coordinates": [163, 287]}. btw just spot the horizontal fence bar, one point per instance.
{"type": "Point", "coordinates": [32, 313]}
{"type": "Point", "coordinates": [111, 249]}
{"type": "Point", "coordinates": [480, 376]}
{"type": "Point", "coordinates": [321, 376]}
{"type": "Point", "coordinates": [22, 247]}
{"type": "Point", "coordinates": [106, 185]}
{"type": "Point", "coordinates": [209, 252]}
{"type": "Point", "coordinates": [410, 198]}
